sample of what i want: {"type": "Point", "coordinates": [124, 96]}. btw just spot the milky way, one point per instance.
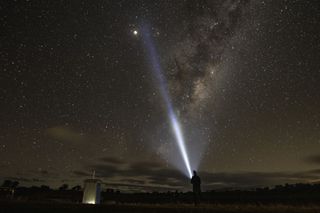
{"type": "Point", "coordinates": [193, 61]}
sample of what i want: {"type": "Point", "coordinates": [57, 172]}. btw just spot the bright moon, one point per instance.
{"type": "Point", "coordinates": [135, 32]}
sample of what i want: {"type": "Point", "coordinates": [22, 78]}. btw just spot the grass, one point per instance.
{"type": "Point", "coordinates": [13, 207]}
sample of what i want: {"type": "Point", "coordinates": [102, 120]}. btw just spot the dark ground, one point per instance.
{"type": "Point", "coordinates": [13, 207]}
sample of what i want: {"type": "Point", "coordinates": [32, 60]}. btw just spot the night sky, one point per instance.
{"type": "Point", "coordinates": [77, 92]}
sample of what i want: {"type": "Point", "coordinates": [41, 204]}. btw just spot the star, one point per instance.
{"type": "Point", "coordinates": [79, 92]}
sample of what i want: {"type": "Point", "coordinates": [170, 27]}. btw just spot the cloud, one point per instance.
{"type": "Point", "coordinates": [25, 180]}
{"type": "Point", "coordinates": [44, 172]}
{"type": "Point", "coordinates": [112, 160]}
{"type": "Point", "coordinates": [147, 175]}
{"type": "Point", "coordinates": [252, 179]}
{"type": "Point", "coordinates": [134, 181]}
{"type": "Point", "coordinates": [30, 177]}
{"type": "Point", "coordinates": [81, 173]}
{"type": "Point", "coordinates": [138, 166]}
{"type": "Point", "coordinates": [315, 171]}
{"type": "Point", "coordinates": [313, 159]}
{"type": "Point", "coordinates": [64, 133]}
{"type": "Point", "coordinates": [150, 176]}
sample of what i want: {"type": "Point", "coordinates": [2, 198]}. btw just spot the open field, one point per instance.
{"type": "Point", "coordinates": [219, 208]}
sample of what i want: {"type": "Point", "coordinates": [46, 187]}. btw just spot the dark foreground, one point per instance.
{"type": "Point", "coordinates": [13, 207]}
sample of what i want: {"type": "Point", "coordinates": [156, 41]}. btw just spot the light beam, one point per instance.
{"type": "Point", "coordinates": [157, 70]}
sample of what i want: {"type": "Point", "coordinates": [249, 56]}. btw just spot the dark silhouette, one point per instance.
{"type": "Point", "coordinates": [10, 184]}
{"type": "Point", "coordinates": [45, 188]}
{"type": "Point", "coordinates": [76, 188]}
{"type": "Point", "coordinates": [196, 182]}
{"type": "Point", "coordinates": [64, 187]}
{"type": "Point", "coordinates": [287, 194]}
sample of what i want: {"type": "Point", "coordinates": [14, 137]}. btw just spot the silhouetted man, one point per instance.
{"type": "Point", "coordinates": [196, 182]}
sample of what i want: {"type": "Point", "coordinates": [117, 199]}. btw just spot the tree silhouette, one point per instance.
{"type": "Point", "coordinates": [10, 184]}
{"type": "Point", "coordinates": [76, 188]}
{"type": "Point", "coordinates": [15, 184]}
{"type": "Point", "coordinates": [64, 187]}
{"type": "Point", "coordinates": [45, 188]}
{"type": "Point", "coordinates": [6, 183]}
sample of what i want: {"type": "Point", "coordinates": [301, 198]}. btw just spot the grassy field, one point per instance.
{"type": "Point", "coordinates": [61, 208]}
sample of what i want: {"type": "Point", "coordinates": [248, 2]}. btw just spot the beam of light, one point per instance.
{"type": "Point", "coordinates": [157, 70]}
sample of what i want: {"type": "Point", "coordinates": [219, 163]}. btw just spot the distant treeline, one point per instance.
{"type": "Point", "coordinates": [288, 193]}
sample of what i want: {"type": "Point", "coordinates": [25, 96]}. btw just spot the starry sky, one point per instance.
{"type": "Point", "coordinates": [77, 93]}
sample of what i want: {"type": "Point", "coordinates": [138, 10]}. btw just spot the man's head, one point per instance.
{"type": "Point", "coordinates": [194, 173]}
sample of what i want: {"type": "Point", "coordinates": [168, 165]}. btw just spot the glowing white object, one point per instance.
{"type": "Point", "coordinates": [91, 202]}
{"type": "Point", "coordinates": [91, 193]}
{"type": "Point", "coordinates": [135, 32]}
{"type": "Point", "coordinates": [181, 144]}
{"type": "Point", "coordinates": [161, 80]}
